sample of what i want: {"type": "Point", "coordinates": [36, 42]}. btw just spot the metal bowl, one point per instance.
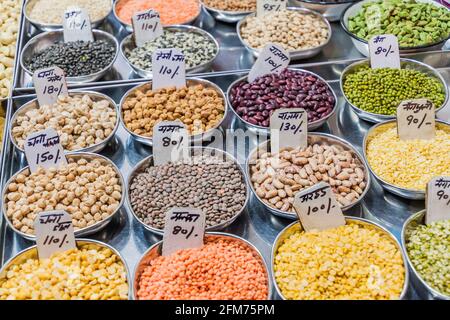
{"type": "Point", "coordinates": [405, 64]}
{"type": "Point", "coordinates": [83, 231]}
{"type": "Point", "coordinates": [51, 27]}
{"type": "Point", "coordinates": [361, 44]}
{"type": "Point", "coordinates": [155, 251]}
{"type": "Point", "coordinates": [46, 39]}
{"type": "Point", "coordinates": [31, 253]}
{"type": "Point", "coordinates": [423, 289]}
{"type": "Point", "coordinates": [148, 162]}
{"type": "Point", "coordinates": [226, 16]}
{"type": "Point", "coordinates": [128, 43]}
{"type": "Point", "coordinates": [402, 192]}
{"type": "Point", "coordinates": [196, 138]}
{"type": "Point", "coordinates": [95, 96]}
{"type": "Point", "coordinates": [332, 11]}
{"type": "Point", "coordinates": [129, 27]}
{"type": "Point", "coordinates": [266, 130]}
{"type": "Point", "coordinates": [321, 138]}
{"type": "Point", "coordinates": [296, 226]}
{"type": "Point", "coordinates": [297, 54]}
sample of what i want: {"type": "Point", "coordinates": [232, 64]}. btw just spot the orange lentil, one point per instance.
{"type": "Point", "coordinates": [223, 269]}
{"type": "Point", "coordinates": [170, 11]}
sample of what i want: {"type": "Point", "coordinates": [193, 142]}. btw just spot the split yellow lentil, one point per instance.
{"type": "Point", "coordinates": [87, 273]}
{"type": "Point", "coordinates": [408, 164]}
{"type": "Point", "coordinates": [354, 262]}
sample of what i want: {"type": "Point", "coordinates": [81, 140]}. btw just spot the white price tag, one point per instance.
{"type": "Point", "coordinates": [384, 52]}
{"type": "Point", "coordinates": [169, 69]}
{"type": "Point", "coordinates": [54, 233]}
{"type": "Point", "coordinates": [318, 209]}
{"type": "Point", "coordinates": [184, 229]}
{"type": "Point", "coordinates": [170, 142]}
{"type": "Point", "coordinates": [438, 200]}
{"type": "Point", "coordinates": [146, 26]}
{"type": "Point", "coordinates": [272, 59]}
{"type": "Point", "coordinates": [77, 25]}
{"type": "Point", "coordinates": [43, 149]}
{"type": "Point", "coordinates": [49, 84]}
{"type": "Point", "coordinates": [267, 6]}
{"type": "Point", "coordinates": [416, 120]}
{"type": "Point", "coordinates": [288, 129]}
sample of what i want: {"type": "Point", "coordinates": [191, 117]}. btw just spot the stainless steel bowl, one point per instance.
{"type": "Point", "coordinates": [95, 96]}
{"type": "Point", "coordinates": [31, 253]}
{"type": "Point", "coordinates": [196, 138]}
{"type": "Point", "coordinates": [265, 130]}
{"type": "Point", "coordinates": [296, 226]}
{"type": "Point", "coordinates": [226, 16]}
{"type": "Point", "coordinates": [423, 289]}
{"type": "Point", "coordinates": [46, 39]}
{"type": "Point", "coordinates": [402, 192]}
{"type": "Point", "coordinates": [51, 27]}
{"type": "Point", "coordinates": [147, 162]}
{"type": "Point", "coordinates": [332, 11]}
{"type": "Point", "coordinates": [297, 54]}
{"type": "Point", "coordinates": [405, 64]}
{"type": "Point", "coordinates": [155, 251]}
{"type": "Point", "coordinates": [361, 44]}
{"type": "Point", "coordinates": [83, 231]}
{"type": "Point", "coordinates": [128, 43]}
{"type": "Point", "coordinates": [321, 138]}
{"type": "Point", "coordinates": [129, 27]}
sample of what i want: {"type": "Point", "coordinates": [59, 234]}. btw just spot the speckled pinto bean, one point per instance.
{"type": "Point", "coordinates": [255, 102]}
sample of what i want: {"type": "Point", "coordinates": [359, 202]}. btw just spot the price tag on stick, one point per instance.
{"type": "Point", "coordinates": [184, 229]}
{"type": "Point", "coordinates": [54, 233]}
{"type": "Point", "coordinates": [416, 119]}
{"type": "Point", "coordinates": [49, 84]}
{"type": "Point", "coordinates": [170, 142]}
{"type": "Point", "coordinates": [43, 149]}
{"type": "Point", "coordinates": [288, 129]}
{"type": "Point", "coordinates": [169, 69]}
{"type": "Point", "coordinates": [438, 200]}
{"type": "Point", "coordinates": [146, 26]}
{"type": "Point", "coordinates": [384, 52]}
{"type": "Point", "coordinates": [318, 209]}
{"type": "Point", "coordinates": [77, 25]}
{"type": "Point", "coordinates": [267, 6]}
{"type": "Point", "coordinates": [272, 59]}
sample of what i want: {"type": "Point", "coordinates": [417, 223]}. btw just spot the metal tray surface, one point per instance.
{"type": "Point", "coordinates": [255, 224]}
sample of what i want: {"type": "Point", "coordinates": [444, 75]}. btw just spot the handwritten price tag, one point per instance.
{"type": "Point", "coordinates": [170, 142]}
{"type": "Point", "coordinates": [288, 129]}
{"type": "Point", "coordinates": [77, 25]}
{"type": "Point", "coordinates": [318, 209]}
{"type": "Point", "coordinates": [43, 149]}
{"type": "Point", "coordinates": [273, 59]}
{"type": "Point", "coordinates": [54, 233]}
{"type": "Point", "coordinates": [49, 84]}
{"type": "Point", "coordinates": [416, 119]}
{"type": "Point", "coordinates": [184, 229]}
{"type": "Point", "coordinates": [384, 52]}
{"type": "Point", "coordinates": [438, 200]}
{"type": "Point", "coordinates": [267, 6]}
{"type": "Point", "coordinates": [169, 69]}
{"type": "Point", "coordinates": [146, 26]}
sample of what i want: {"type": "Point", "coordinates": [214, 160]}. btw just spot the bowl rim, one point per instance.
{"type": "Point", "coordinates": [289, 215]}
{"type": "Point", "coordinates": [358, 220]}
{"type": "Point", "coordinates": [355, 37]}
{"type": "Point", "coordinates": [145, 162]}
{"type": "Point", "coordinates": [86, 230]}
{"type": "Point", "coordinates": [237, 13]}
{"type": "Point", "coordinates": [357, 63]}
{"type": "Point", "coordinates": [255, 250]}
{"type": "Point", "coordinates": [28, 104]}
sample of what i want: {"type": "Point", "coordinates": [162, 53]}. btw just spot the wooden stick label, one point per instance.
{"type": "Point", "coordinates": [49, 84]}
{"type": "Point", "coordinates": [438, 200]}
{"type": "Point", "coordinates": [288, 129]}
{"type": "Point", "coordinates": [416, 120]}
{"type": "Point", "coordinates": [77, 25]}
{"type": "Point", "coordinates": [272, 59]}
{"type": "Point", "coordinates": [146, 26]}
{"type": "Point", "coordinates": [170, 142]}
{"type": "Point", "coordinates": [384, 52]}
